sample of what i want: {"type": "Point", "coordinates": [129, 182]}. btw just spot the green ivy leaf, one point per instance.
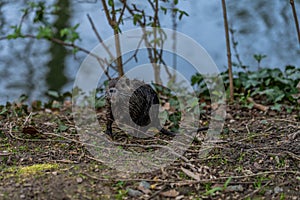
{"type": "Point", "coordinates": [53, 94]}
{"type": "Point", "coordinates": [62, 127]}
{"type": "Point", "coordinates": [277, 107]}
{"type": "Point", "coordinates": [110, 3]}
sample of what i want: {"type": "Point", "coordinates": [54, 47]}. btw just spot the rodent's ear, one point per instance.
{"type": "Point", "coordinates": [124, 83]}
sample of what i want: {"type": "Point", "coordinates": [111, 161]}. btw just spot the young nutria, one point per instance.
{"type": "Point", "coordinates": [133, 103]}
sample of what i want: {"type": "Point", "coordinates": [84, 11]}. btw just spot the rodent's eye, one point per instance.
{"type": "Point", "coordinates": [112, 90]}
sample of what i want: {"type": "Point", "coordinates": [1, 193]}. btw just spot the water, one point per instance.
{"type": "Point", "coordinates": [33, 66]}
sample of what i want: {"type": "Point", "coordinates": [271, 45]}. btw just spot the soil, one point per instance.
{"type": "Point", "coordinates": [257, 157]}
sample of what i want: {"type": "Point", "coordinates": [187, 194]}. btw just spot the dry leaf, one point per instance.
{"type": "Point", "coordinates": [170, 193]}
{"type": "Point", "coordinates": [144, 190]}
{"type": "Point", "coordinates": [191, 174]}
{"type": "Point", "coordinates": [30, 130]}
{"type": "Point", "coordinates": [166, 106]}
{"type": "Point", "coordinates": [153, 186]}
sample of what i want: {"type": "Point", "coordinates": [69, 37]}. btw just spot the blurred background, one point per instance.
{"type": "Point", "coordinates": [32, 67]}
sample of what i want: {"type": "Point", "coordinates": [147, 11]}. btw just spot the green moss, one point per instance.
{"type": "Point", "coordinates": [38, 168]}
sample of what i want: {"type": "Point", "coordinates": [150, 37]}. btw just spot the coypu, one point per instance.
{"type": "Point", "coordinates": [136, 100]}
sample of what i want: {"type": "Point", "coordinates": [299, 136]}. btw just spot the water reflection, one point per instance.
{"type": "Point", "coordinates": [33, 67]}
{"type": "Point", "coordinates": [55, 77]}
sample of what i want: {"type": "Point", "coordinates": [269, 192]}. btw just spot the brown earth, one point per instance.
{"type": "Point", "coordinates": [257, 157]}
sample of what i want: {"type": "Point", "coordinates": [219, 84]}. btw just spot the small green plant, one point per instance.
{"type": "Point", "coordinates": [212, 191]}
{"type": "Point", "coordinates": [121, 194]}
{"type": "Point", "coordinates": [242, 156]}
{"type": "Point", "coordinates": [259, 58]}
{"type": "Point", "coordinates": [259, 181]}
{"type": "Point", "coordinates": [244, 100]}
{"type": "Point", "coordinates": [120, 187]}
{"type": "Point", "coordinates": [282, 196]}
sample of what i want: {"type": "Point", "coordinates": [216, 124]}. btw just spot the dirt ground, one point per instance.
{"type": "Point", "coordinates": [257, 157]}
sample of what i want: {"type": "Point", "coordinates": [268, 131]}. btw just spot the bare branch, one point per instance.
{"type": "Point", "coordinates": [101, 61]}
{"type": "Point", "coordinates": [115, 26]}
{"type": "Point", "coordinates": [135, 52]}
{"type": "Point", "coordinates": [228, 51]}
{"type": "Point", "coordinates": [100, 38]}
{"type": "Point", "coordinates": [295, 18]}
{"type": "Point", "coordinates": [121, 15]}
{"type": "Point", "coordinates": [106, 10]}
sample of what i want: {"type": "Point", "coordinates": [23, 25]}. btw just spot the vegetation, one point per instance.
{"type": "Point", "coordinates": [272, 87]}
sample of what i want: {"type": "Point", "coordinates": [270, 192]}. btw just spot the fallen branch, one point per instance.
{"type": "Point", "coordinates": [257, 105]}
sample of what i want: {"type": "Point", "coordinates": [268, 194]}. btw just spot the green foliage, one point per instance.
{"type": "Point", "coordinates": [70, 34]}
{"type": "Point", "coordinates": [54, 95]}
{"type": "Point", "coordinates": [15, 109]}
{"type": "Point", "coordinates": [271, 86]}
{"type": "Point", "coordinates": [243, 100]}
{"type": "Point", "coordinates": [275, 85]}
{"type": "Point", "coordinates": [259, 57]}
{"type": "Point", "coordinates": [40, 13]}
{"type": "Point", "coordinates": [173, 114]}
{"type": "Point", "coordinates": [198, 80]}
{"type": "Point", "coordinates": [16, 33]}
{"type": "Point", "coordinates": [136, 18]}
{"type": "Point", "coordinates": [45, 32]}
{"type": "Point", "coordinates": [110, 3]}
{"type": "Point", "coordinates": [180, 13]}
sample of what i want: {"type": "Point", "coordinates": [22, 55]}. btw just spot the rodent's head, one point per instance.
{"type": "Point", "coordinates": [118, 88]}
{"type": "Point", "coordinates": [122, 88]}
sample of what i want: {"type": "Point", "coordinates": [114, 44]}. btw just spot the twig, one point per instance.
{"type": "Point", "coordinates": [284, 120]}
{"type": "Point", "coordinates": [295, 18]}
{"type": "Point", "coordinates": [236, 177]}
{"type": "Point", "coordinates": [122, 13]}
{"type": "Point", "coordinates": [257, 190]}
{"type": "Point", "coordinates": [153, 55]}
{"type": "Point", "coordinates": [135, 52]}
{"type": "Point", "coordinates": [247, 129]}
{"type": "Point", "coordinates": [157, 192]}
{"type": "Point", "coordinates": [5, 153]}
{"type": "Point", "coordinates": [174, 37]}
{"type": "Point", "coordinates": [231, 86]}
{"type": "Point", "coordinates": [27, 118]}
{"type": "Point", "coordinates": [292, 155]}
{"type": "Point", "coordinates": [257, 105]}
{"type": "Point", "coordinates": [115, 26]}
{"type": "Point", "coordinates": [103, 44]}
{"type": "Point", "coordinates": [234, 45]}
{"type": "Point", "coordinates": [252, 136]}
{"type": "Point", "coordinates": [66, 161]}
{"type": "Point", "coordinates": [99, 37]}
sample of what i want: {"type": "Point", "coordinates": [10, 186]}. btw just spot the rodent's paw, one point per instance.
{"type": "Point", "coordinates": [109, 132]}
{"type": "Point", "coordinates": [168, 133]}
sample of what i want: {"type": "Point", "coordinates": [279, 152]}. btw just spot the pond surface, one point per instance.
{"type": "Point", "coordinates": [32, 67]}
